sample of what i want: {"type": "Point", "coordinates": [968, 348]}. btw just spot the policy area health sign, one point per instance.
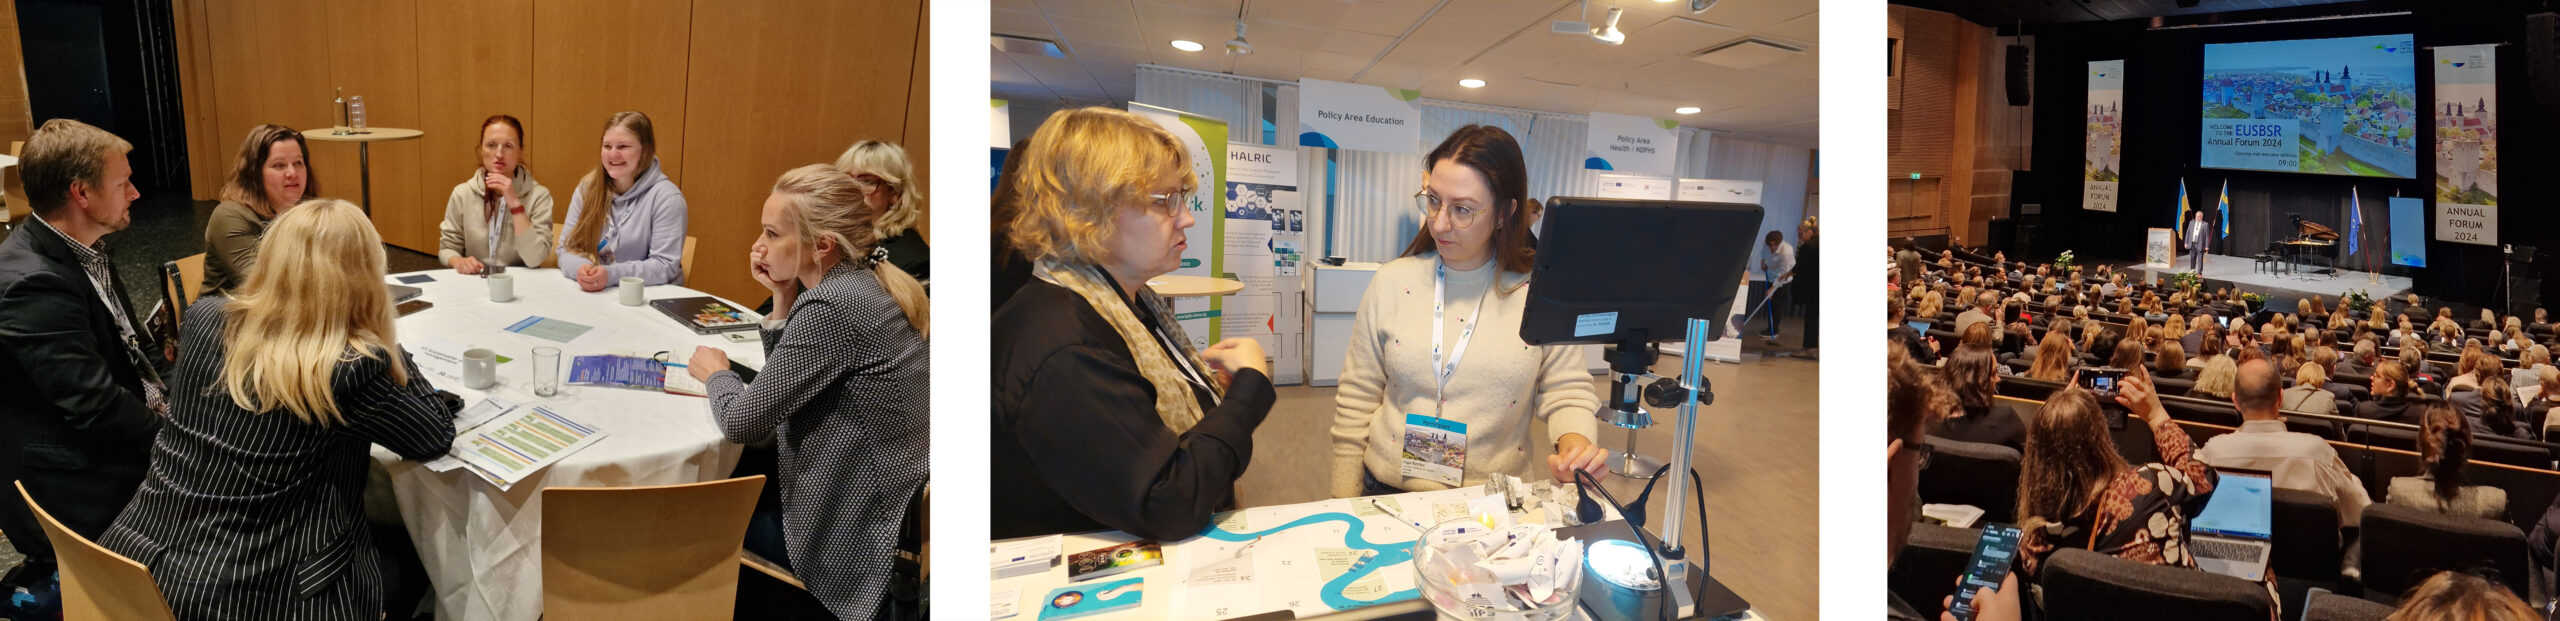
{"type": "Point", "coordinates": [1205, 139]}
{"type": "Point", "coordinates": [2105, 145]}
{"type": "Point", "coordinates": [1341, 115]}
{"type": "Point", "coordinates": [1631, 144]}
{"type": "Point", "coordinates": [2466, 117]}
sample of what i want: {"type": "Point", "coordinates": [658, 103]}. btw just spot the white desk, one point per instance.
{"type": "Point", "coordinates": [482, 546]}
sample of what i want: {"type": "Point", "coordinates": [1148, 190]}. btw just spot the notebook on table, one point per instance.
{"type": "Point", "coordinates": [2234, 535]}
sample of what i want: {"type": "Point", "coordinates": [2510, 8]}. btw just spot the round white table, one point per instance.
{"type": "Point", "coordinates": [481, 545]}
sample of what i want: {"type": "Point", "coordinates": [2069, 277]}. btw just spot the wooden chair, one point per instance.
{"type": "Point", "coordinates": [177, 276]}
{"type": "Point", "coordinates": [685, 262]}
{"type": "Point", "coordinates": [620, 553]}
{"type": "Point", "coordinates": [98, 583]}
{"type": "Point", "coordinates": [14, 190]}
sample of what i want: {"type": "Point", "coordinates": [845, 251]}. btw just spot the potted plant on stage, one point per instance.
{"type": "Point", "coordinates": [2187, 282]}
{"type": "Point", "coordinates": [2358, 302]}
{"type": "Point", "coordinates": [2062, 263]}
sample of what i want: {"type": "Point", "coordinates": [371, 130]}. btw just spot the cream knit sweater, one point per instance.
{"type": "Point", "coordinates": [1500, 384]}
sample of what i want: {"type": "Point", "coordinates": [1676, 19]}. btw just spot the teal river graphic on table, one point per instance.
{"type": "Point", "coordinates": [1389, 555]}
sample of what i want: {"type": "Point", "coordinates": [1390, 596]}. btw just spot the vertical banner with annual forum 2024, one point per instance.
{"type": "Point", "coordinates": [2466, 144]}
{"type": "Point", "coordinates": [1341, 115]}
{"type": "Point", "coordinates": [1631, 144]}
{"type": "Point", "coordinates": [1205, 139]}
{"type": "Point", "coordinates": [2105, 146]}
{"type": "Point", "coordinates": [1265, 226]}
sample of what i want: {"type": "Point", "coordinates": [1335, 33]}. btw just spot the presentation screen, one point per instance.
{"type": "Point", "coordinates": [2408, 231]}
{"type": "Point", "coordinates": [2344, 106]}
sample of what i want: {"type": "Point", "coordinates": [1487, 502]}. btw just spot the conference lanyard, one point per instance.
{"type": "Point", "coordinates": [497, 219]}
{"type": "Point", "coordinates": [1442, 371]}
{"type": "Point", "coordinates": [606, 240]}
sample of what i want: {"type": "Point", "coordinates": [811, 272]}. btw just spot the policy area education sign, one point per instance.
{"type": "Point", "coordinates": [1341, 115]}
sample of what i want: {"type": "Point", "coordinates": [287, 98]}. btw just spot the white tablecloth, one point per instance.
{"type": "Point", "coordinates": [482, 546]}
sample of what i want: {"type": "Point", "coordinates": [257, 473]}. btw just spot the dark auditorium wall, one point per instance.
{"type": "Point", "coordinates": [1948, 120]}
{"type": "Point", "coordinates": [2163, 81]}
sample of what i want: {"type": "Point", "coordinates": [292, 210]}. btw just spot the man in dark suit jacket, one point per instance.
{"type": "Point", "coordinates": [84, 400]}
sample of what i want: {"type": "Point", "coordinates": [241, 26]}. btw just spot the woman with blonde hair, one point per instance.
{"type": "Point", "coordinates": [2452, 595]}
{"type": "Point", "coordinates": [2390, 391]}
{"type": "Point", "coordinates": [269, 176]}
{"type": "Point", "coordinates": [2054, 357]}
{"type": "Point", "coordinates": [2307, 394]}
{"type": "Point", "coordinates": [889, 186]}
{"type": "Point", "coordinates": [842, 395]}
{"type": "Point", "coordinates": [1106, 416]}
{"type": "Point", "coordinates": [253, 497]}
{"type": "Point", "coordinates": [1930, 305]}
{"type": "Point", "coordinates": [626, 219]}
{"type": "Point", "coordinates": [2221, 374]}
{"type": "Point", "coordinates": [500, 215]}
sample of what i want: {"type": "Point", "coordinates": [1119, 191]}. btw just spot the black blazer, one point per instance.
{"type": "Point", "coordinates": [75, 426]}
{"type": "Point", "coordinates": [261, 511]}
{"type": "Point", "coordinates": [1077, 444]}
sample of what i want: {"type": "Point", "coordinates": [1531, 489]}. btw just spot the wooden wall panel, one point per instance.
{"type": "Point", "coordinates": [825, 76]}
{"type": "Point", "coordinates": [374, 53]}
{"type": "Point", "coordinates": [265, 78]}
{"type": "Point", "coordinates": [475, 59]}
{"type": "Point", "coordinates": [919, 134]}
{"type": "Point", "coordinates": [592, 58]}
{"type": "Point", "coordinates": [196, 94]}
{"type": "Point", "coordinates": [17, 121]}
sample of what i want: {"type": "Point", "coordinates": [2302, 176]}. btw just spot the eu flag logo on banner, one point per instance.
{"type": "Point", "coordinates": [2225, 206]}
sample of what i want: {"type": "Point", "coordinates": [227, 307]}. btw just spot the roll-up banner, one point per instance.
{"type": "Point", "coordinates": [1266, 229]}
{"type": "Point", "coordinates": [2466, 144]}
{"type": "Point", "coordinates": [2105, 146]}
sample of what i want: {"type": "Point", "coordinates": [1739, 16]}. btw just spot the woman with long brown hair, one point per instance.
{"type": "Point", "coordinates": [500, 215]}
{"type": "Point", "coordinates": [1436, 342]}
{"type": "Point", "coordinates": [269, 176]}
{"type": "Point", "coordinates": [2444, 450]}
{"type": "Point", "coordinates": [1974, 375]}
{"type": "Point", "coordinates": [627, 219]}
{"type": "Point", "coordinates": [2076, 491]}
{"type": "Point", "coordinates": [2054, 357]}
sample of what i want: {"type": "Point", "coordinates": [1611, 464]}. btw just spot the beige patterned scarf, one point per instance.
{"type": "Point", "coordinates": [1174, 401]}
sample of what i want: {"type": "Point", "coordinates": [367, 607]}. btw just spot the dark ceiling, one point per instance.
{"type": "Point", "coordinates": [2006, 12]}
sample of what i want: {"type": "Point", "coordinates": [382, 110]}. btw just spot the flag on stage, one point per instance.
{"type": "Point", "coordinates": [2225, 206]}
{"type": "Point", "coordinates": [2181, 222]}
{"type": "Point", "coordinates": [2355, 219]}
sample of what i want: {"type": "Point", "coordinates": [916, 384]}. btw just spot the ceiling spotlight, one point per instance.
{"type": "Point", "coordinates": [1185, 45]}
{"type": "Point", "coordinates": [1471, 83]}
{"type": "Point", "coordinates": [1238, 46]}
{"type": "Point", "coordinates": [1686, 110]}
{"type": "Point", "coordinates": [1607, 31]}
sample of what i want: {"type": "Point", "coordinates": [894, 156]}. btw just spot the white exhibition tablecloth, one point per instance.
{"type": "Point", "coordinates": [482, 546]}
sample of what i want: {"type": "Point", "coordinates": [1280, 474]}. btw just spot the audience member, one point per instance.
{"type": "Point", "coordinates": [1975, 379]}
{"type": "Point", "coordinates": [2307, 394]}
{"type": "Point", "coordinates": [2444, 449]}
{"type": "Point", "coordinates": [2298, 461]}
{"type": "Point", "coordinates": [2457, 596]}
{"type": "Point", "coordinates": [2217, 379]}
{"type": "Point", "coordinates": [889, 187]}
{"type": "Point", "coordinates": [2054, 357]}
{"type": "Point", "coordinates": [268, 177]}
{"type": "Point", "coordinates": [2076, 491]}
{"type": "Point", "coordinates": [626, 219]}
{"type": "Point", "coordinates": [500, 215]}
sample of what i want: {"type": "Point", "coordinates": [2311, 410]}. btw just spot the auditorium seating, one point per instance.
{"type": "Point", "coordinates": [2335, 607]}
{"type": "Point", "coordinates": [2079, 584]}
{"type": "Point", "coordinates": [1972, 473]}
{"type": "Point", "coordinates": [1926, 568]}
{"type": "Point", "coordinates": [2402, 546]}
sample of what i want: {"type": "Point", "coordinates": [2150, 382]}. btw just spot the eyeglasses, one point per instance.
{"type": "Point", "coordinates": [869, 182]}
{"type": "Point", "coordinates": [1169, 203]}
{"type": "Point", "coordinates": [1461, 215]}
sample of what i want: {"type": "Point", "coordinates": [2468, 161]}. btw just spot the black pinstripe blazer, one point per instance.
{"type": "Point", "coordinates": [258, 515]}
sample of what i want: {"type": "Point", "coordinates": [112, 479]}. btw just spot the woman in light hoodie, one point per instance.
{"type": "Point", "coordinates": [500, 215]}
{"type": "Point", "coordinates": [626, 218]}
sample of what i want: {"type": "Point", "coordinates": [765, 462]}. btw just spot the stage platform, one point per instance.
{"type": "Point", "coordinates": [2282, 289]}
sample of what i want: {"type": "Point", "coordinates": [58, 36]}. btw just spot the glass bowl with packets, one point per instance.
{"type": "Point", "coordinates": [1477, 568]}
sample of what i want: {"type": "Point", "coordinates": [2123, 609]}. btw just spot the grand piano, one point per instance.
{"type": "Point", "coordinates": [2310, 241]}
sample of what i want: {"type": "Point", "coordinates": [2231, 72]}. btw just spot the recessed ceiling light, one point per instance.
{"type": "Point", "coordinates": [1686, 110]}
{"type": "Point", "coordinates": [1471, 83]}
{"type": "Point", "coordinates": [1187, 46]}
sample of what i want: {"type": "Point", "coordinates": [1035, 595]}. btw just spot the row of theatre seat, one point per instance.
{"type": "Point", "coordinates": [2399, 547]}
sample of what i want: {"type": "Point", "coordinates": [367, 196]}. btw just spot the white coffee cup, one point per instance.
{"type": "Point", "coordinates": [479, 368]}
{"type": "Point", "coordinates": [502, 287]}
{"type": "Point", "coordinates": [631, 292]}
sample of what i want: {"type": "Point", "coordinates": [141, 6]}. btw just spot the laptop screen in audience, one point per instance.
{"type": "Point", "coordinates": [1919, 326]}
{"type": "Point", "coordinates": [2241, 506]}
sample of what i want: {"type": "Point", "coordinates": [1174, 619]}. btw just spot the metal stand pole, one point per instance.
{"type": "Point", "coordinates": [1675, 557]}
{"type": "Point", "coordinates": [364, 173]}
{"type": "Point", "coordinates": [1631, 464]}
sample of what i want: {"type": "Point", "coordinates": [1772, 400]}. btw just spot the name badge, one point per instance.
{"type": "Point", "coordinates": [1435, 449]}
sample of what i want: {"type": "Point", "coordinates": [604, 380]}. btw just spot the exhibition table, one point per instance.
{"type": "Point", "coordinates": [481, 545]}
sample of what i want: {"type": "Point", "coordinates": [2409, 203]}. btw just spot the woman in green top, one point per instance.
{"type": "Point", "coordinates": [269, 177]}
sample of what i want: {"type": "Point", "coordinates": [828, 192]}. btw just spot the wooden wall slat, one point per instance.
{"type": "Point", "coordinates": [475, 59]}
